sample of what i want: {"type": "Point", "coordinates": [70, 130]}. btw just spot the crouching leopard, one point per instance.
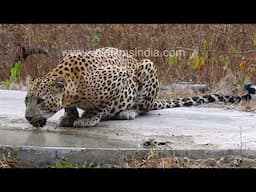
{"type": "Point", "coordinates": [106, 83]}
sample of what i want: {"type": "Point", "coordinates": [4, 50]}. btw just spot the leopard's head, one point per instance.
{"type": "Point", "coordinates": [44, 99]}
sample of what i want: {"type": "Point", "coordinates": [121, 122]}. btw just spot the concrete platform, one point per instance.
{"type": "Point", "coordinates": [193, 130]}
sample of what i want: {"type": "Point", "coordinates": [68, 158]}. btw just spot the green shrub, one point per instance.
{"type": "Point", "coordinates": [15, 73]}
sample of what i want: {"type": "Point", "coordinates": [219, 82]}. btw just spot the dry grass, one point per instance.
{"type": "Point", "coordinates": [212, 40]}
{"type": "Point", "coordinates": [172, 161]}
{"type": "Point", "coordinates": [9, 163]}
{"type": "Point", "coordinates": [153, 162]}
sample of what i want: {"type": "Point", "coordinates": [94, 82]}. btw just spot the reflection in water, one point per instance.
{"type": "Point", "coordinates": [35, 138]}
{"type": "Point", "coordinates": [46, 139]}
{"type": "Point", "coordinates": [69, 138]}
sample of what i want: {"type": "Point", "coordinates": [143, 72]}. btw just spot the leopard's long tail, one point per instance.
{"type": "Point", "coordinates": [212, 98]}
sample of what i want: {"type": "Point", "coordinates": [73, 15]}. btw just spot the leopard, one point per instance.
{"type": "Point", "coordinates": [105, 83]}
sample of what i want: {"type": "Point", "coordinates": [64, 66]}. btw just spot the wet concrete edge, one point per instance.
{"type": "Point", "coordinates": [43, 157]}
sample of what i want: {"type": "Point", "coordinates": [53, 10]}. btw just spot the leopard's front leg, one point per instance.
{"type": "Point", "coordinates": [88, 119]}
{"type": "Point", "coordinates": [70, 115]}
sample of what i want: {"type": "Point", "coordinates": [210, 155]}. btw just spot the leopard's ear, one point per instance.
{"type": "Point", "coordinates": [29, 80]}
{"type": "Point", "coordinates": [60, 84]}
